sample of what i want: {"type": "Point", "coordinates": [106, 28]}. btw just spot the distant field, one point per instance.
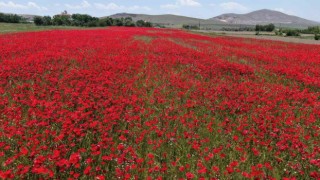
{"type": "Point", "coordinates": [11, 27]}
{"type": "Point", "coordinates": [304, 38]}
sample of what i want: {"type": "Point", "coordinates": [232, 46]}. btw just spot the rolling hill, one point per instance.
{"type": "Point", "coordinates": [265, 16]}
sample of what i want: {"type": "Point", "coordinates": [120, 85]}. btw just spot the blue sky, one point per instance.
{"type": "Point", "coordinates": [195, 8]}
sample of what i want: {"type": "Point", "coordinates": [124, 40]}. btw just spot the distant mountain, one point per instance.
{"type": "Point", "coordinates": [265, 16]}
{"type": "Point", "coordinates": [166, 19]}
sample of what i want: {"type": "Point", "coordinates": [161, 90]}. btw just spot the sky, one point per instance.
{"type": "Point", "coordinates": [205, 9]}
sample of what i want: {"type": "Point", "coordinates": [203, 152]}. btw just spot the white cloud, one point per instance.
{"type": "Point", "coordinates": [29, 5]}
{"type": "Point", "coordinates": [180, 3]}
{"type": "Point", "coordinates": [36, 6]}
{"type": "Point", "coordinates": [12, 5]}
{"type": "Point", "coordinates": [83, 5]}
{"type": "Point", "coordinates": [110, 6]}
{"type": "Point", "coordinates": [233, 6]}
{"type": "Point", "coordinates": [283, 11]}
{"type": "Point", "coordinates": [170, 6]}
{"type": "Point", "coordinates": [116, 7]}
{"type": "Point", "coordinates": [193, 3]}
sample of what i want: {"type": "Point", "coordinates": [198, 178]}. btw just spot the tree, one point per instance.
{"type": "Point", "coordinates": [118, 22]}
{"type": "Point", "coordinates": [105, 22]}
{"type": "Point", "coordinates": [128, 22]}
{"type": "Point", "coordinates": [148, 24]}
{"type": "Point", "coordinates": [313, 30]}
{"type": "Point", "coordinates": [268, 28]}
{"type": "Point", "coordinates": [93, 23]}
{"type": "Point", "coordinates": [2, 17]}
{"type": "Point", "coordinates": [47, 20]}
{"type": "Point", "coordinates": [10, 18]}
{"type": "Point", "coordinates": [83, 20]}
{"type": "Point", "coordinates": [15, 18]}
{"type": "Point", "coordinates": [194, 27]}
{"type": "Point", "coordinates": [59, 20]}
{"type": "Point", "coordinates": [292, 32]}
{"type": "Point", "coordinates": [38, 21]}
{"type": "Point", "coordinates": [142, 23]}
{"type": "Point", "coordinates": [258, 28]}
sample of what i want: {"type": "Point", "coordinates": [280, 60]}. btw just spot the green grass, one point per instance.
{"type": "Point", "coordinates": [11, 27]}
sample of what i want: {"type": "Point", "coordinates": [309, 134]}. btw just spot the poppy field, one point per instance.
{"type": "Point", "coordinates": [147, 103]}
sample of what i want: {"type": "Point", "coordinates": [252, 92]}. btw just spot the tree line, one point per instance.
{"type": "Point", "coordinates": [193, 27]}
{"type": "Point", "coordinates": [11, 18]}
{"type": "Point", "coordinates": [84, 20]}
{"type": "Point", "coordinates": [267, 28]}
{"type": "Point", "coordinates": [313, 30]}
{"type": "Point", "coordinates": [297, 32]}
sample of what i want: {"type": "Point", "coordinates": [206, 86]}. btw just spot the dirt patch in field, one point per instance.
{"type": "Point", "coordinates": [146, 39]}
{"type": "Point", "coordinates": [182, 43]}
{"type": "Point", "coordinates": [159, 31]}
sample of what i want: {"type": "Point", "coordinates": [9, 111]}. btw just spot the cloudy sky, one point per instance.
{"type": "Point", "coordinates": [195, 8]}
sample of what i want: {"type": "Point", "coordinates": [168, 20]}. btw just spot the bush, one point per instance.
{"type": "Point", "coordinates": [194, 27]}
{"type": "Point", "coordinates": [106, 22]}
{"type": "Point", "coordinates": [317, 37]}
{"type": "Point", "coordinates": [128, 22]}
{"type": "Point", "coordinates": [292, 32]}
{"type": "Point", "coordinates": [61, 20]}
{"type": "Point", "coordinates": [141, 23]}
{"type": "Point", "coordinates": [83, 20]}
{"type": "Point", "coordinates": [311, 30]}
{"type": "Point", "coordinates": [268, 28]}
{"type": "Point", "coordinates": [93, 24]}
{"type": "Point", "coordinates": [38, 21]}
{"type": "Point", "coordinates": [279, 33]}
{"type": "Point", "coordinates": [238, 28]}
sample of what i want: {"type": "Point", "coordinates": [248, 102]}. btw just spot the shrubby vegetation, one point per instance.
{"type": "Point", "coordinates": [296, 32]}
{"type": "Point", "coordinates": [311, 30]}
{"type": "Point", "coordinates": [84, 20]}
{"type": "Point", "coordinates": [46, 20]}
{"type": "Point", "coordinates": [292, 32]}
{"type": "Point", "coordinates": [288, 32]}
{"type": "Point", "coordinates": [194, 27]}
{"type": "Point", "coordinates": [142, 23]}
{"type": "Point", "coordinates": [238, 29]}
{"type": "Point", "coordinates": [10, 18]}
{"type": "Point", "coordinates": [267, 28]}
{"type": "Point", "coordinates": [159, 25]}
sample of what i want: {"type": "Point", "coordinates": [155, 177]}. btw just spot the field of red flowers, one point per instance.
{"type": "Point", "coordinates": [135, 103]}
